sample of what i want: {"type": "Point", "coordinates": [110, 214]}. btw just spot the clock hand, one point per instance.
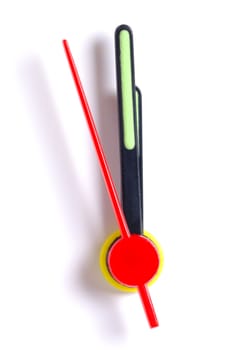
{"type": "Point", "coordinates": [138, 97]}
{"type": "Point", "coordinates": [132, 245]}
{"type": "Point", "coordinates": [129, 102]}
{"type": "Point", "coordinates": [124, 230]}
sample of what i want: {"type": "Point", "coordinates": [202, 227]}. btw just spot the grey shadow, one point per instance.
{"type": "Point", "coordinates": [48, 130]}
{"type": "Point", "coordinates": [51, 138]}
{"type": "Point", "coordinates": [106, 119]}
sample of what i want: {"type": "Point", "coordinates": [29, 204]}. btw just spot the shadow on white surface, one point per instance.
{"type": "Point", "coordinates": [106, 119]}
{"type": "Point", "coordinates": [106, 116]}
{"type": "Point", "coordinates": [48, 130]}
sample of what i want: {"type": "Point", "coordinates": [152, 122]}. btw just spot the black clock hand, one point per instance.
{"type": "Point", "coordinates": [129, 103]}
{"type": "Point", "coordinates": [140, 142]}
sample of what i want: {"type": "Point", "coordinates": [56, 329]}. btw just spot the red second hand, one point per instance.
{"type": "Point", "coordinates": [124, 230]}
{"type": "Point", "coordinates": [148, 306]}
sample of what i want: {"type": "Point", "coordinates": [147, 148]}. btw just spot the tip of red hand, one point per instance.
{"type": "Point", "coordinates": [154, 325]}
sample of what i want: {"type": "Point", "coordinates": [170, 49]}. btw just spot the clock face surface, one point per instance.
{"type": "Point", "coordinates": [55, 212]}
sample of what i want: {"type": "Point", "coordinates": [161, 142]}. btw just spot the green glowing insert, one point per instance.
{"type": "Point", "coordinates": [127, 90]}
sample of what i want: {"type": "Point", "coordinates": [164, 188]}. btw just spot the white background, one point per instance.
{"type": "Point", "coordinates": [54, 209]}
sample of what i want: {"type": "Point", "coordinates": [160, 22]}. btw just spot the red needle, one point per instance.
{"type": "Point", "coordinates": [148, 306]}
{"type": "Point", "coordinates": [124, 230]}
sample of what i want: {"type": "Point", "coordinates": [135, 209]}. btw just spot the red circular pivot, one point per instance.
{"type": "Point", "coordinates": [133, 261]}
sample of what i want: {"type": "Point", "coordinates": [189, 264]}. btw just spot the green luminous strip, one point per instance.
{"type": "Point", "coordinates": [127, 90]}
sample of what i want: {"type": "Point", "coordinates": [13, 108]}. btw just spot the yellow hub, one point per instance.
{"type": "Point", "coordinates": [103, 261]}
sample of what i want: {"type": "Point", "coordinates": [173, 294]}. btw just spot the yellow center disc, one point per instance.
{"type": "Point", "coordinates": [103, 261]}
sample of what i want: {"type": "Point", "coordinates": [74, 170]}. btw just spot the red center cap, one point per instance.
{"type": "Point", "coordinates": [133, 261]}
